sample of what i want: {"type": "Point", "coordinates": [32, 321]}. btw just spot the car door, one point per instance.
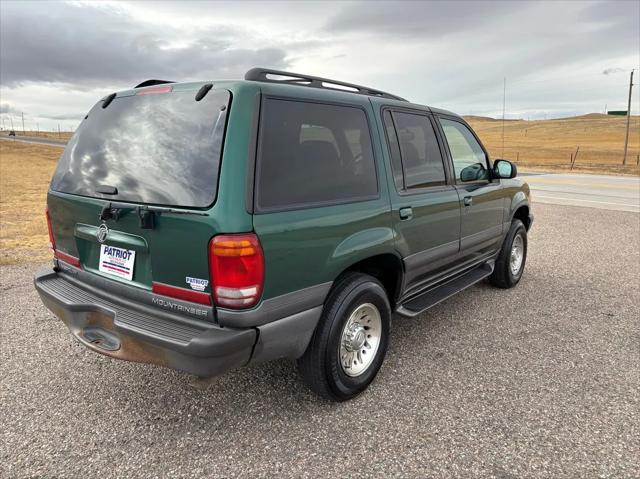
{"type": "Point", "coordinates": [424, 202]}
{"type": "Point", "coordinates": [481, 197]}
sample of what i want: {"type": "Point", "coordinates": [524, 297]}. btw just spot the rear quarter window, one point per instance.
{"type": "Point", "coordinates": [312, 153]}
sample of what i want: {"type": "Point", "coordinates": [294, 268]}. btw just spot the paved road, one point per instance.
{"type": "Point", "coordinates": [34, 139]}
{"type": "Point", "coordinates": [538, 381]}
{"type": "Point", "coordinates": [594, 191]}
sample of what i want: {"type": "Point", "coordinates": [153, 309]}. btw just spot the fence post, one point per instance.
{"type": "Point", "coordinates": [575, 157]}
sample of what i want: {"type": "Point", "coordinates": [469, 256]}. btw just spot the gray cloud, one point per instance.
{"type": "Point", "coordinates": [610, 71]}
{"type": "Point", "coordinates": [58, 58]}
{"type": "Point", "coordinates": [7, 109]}
{"type": "Point", "coordinates": [72, 44]}
{"type": "Point", "coordinates": [415, 18]}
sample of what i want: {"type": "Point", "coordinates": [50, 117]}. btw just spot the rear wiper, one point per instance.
{"type": "Point", "coordinates": [146, 213]}
{"type": "Point", "coordinates": [173, 211]}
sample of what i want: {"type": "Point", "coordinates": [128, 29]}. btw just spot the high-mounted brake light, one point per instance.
{"type": "Point", "coordinates": [236, 268]}
{"type": "Point", "coordinates": [155, 90]}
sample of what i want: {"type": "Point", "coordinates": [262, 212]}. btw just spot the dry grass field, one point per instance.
{"type": "Point", "coordinates": [549, 144]}
{"type": "Point", "coordinates": [25, 172]}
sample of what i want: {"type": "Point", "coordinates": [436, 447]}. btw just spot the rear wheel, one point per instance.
{"type": "Point", "coordinates": [350, 342]}
{"type": "Point", "coordinates": [512, 258]}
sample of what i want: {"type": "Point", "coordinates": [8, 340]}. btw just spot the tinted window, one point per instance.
{"type": "Point", "coordinates": [313, 153]}
{"type": "Point", "coordinates": [160, 148]}
{"type": "Point", "coordinates": [469, 160]}
{"type": "Point", "coordinates": [421, 158]}
{"type": "Point", "coordinates": [394, 150]}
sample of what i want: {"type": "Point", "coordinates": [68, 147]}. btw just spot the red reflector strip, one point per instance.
{"type": "Point", "coordinates": [67, 258]}
{"type": "Point", "coordinates": [155, 90]}
{"type": "Point", "coordinates": [181, 293]}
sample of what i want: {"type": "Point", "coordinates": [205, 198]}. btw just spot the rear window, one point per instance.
{"type": "Point", "coordinates": [159, 149]}
{"type": "Point", "coordinates": [312, 153]}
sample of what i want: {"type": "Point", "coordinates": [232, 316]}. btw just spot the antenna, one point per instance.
{"type": "Point", "coordinates": [504, 103]}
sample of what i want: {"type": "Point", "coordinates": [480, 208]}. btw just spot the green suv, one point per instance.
{"type": "Point", "coordinates": [207, 226]}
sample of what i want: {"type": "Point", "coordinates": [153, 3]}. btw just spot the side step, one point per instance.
{"type": "Point", "coordinates": [431, 297]}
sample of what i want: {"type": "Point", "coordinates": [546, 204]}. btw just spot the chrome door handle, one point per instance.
{"type": "Point", "coordinates": [468, 200]}
{"type": "Point", "coordinates": [406, 213]}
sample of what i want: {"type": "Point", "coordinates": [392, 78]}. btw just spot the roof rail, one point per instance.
{"type": "Point", "coordinates": [266, 75]}
{"type": "Point", "coordinates": [152, 82]}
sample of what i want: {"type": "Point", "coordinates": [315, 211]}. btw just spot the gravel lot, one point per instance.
{"type": "Point", "coordinates": [539, 381]}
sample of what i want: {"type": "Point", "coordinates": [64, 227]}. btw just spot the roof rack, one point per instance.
{"type": "Point", "coordinates": [152, 82]}
{"type": "Point", "coordinates": [266, 75]}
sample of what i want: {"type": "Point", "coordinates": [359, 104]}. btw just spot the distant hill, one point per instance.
{"type": "Point", "coordinates": [596, 138]}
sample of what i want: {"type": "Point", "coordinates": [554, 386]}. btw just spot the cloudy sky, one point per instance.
{"type": "Point", "coordinates": [559, 58]}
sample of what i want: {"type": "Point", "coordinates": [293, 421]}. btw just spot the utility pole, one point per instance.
{"type": "Point", "coordinates": [504, 102]}
{"type": "Point", "coordinates": [23, 132]}
{"type": "Point", "coordinates": [626, 135]}
{"type": "Point", "coordinates": [11, 119]}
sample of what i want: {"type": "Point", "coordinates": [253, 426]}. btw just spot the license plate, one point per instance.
{"type": "Point", "coordinates": [117, 261]}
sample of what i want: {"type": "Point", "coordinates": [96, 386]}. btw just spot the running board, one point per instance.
{"type": "Point", "coordinates": [433, 296]}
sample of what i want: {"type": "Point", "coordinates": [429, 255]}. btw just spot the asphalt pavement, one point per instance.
{"type": "Point", "coordinates": [35, 139]}
{"type": "Point", "coordinates": [607, 192]}
{"type": "Point", "coordinates": [542, 380]}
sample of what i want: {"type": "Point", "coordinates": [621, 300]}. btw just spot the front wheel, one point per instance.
{"type": "Point", "coordinates": [512, 258]}
{"type": "Point", "coordinates": [350, 342]}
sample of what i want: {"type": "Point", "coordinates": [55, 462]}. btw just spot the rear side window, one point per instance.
{"type": "Point", "coordinates": [416, 143]}
{"type": "Point", "coordinates": [313, 153]}
{"type": "Point", "coordinates": [162, 148]}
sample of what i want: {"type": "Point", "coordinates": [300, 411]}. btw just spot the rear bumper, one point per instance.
{"type": "Point", "coordinates": [135, 332]}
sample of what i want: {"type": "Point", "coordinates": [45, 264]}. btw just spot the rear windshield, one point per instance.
{"type": "Point", "coordinates": [159, 149]}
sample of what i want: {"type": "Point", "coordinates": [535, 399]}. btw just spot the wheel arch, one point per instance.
{"type": "Point", "coordinates": [385, 267]}
{"type": "Point", "coordinates": [522, 213]}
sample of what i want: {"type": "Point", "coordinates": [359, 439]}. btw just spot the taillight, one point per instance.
{"type": "Point", "coordinates": [67, 258]}
{"type": "Point", "coordinates": [52, 241]}
{"type": "Point", "coordinates": [236, 267]}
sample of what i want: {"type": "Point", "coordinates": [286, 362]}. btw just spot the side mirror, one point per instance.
{"type": "Point", "coordinates": [474, 172]}
{"type": "Point", "coordinates": [504, 169]}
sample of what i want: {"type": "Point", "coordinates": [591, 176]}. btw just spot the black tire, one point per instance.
{"type": "Point", "coordinates": [320, 366]}
{"type": "Point", "coordinates": [503, 276]}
